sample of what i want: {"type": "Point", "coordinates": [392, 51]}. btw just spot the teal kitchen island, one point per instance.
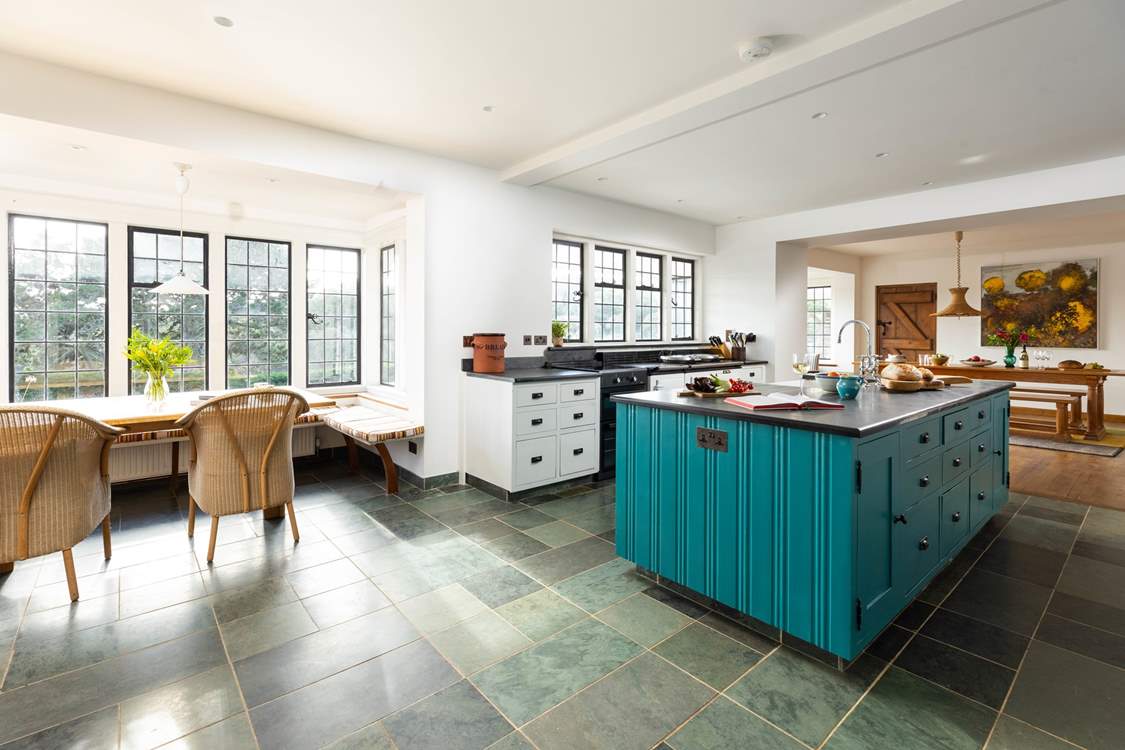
{"type": "Point", "coordinates": [821, 524]}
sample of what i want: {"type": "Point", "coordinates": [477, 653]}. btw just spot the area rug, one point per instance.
{"type": "Point", "coordinates": [1075, 446]}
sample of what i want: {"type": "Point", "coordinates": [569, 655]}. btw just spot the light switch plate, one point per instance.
{"type": "Point", "coordinates": [715, 440]}
{"type": "Point", "coordinates": [527, 340]}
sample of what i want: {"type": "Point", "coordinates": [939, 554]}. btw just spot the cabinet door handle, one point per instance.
{"type": "Point", "coordinates": [536, 396]}
{"type": "Point", "coordinates": [956, 517]}
{"type": "Point", "coordinates": [578, 451]}
{"type": "Point", "coordinates": [924, 437]}
{"type": "Point", "coordinates": [924, 481]}
{"type": "Point", "coordinates": [998, 452]}
{"type": "Point", "coordinates": [981, 448]}
{"type": "Point", "coordinates": [537, 421]}
{"type": "Point", "coordinates": [958, 424]}
{"type": "Point", "coordinates": [980, 495]}
{"type": "Point", "coordinates": [578, 415]}
{"type": "Point", "coordinates": [924, 543]}
{"type": "Point", "coordinates": [900, 518]}
{"type": "Point", "coordinates": [579, 391]}
{"type": "Point", "coordinates": [980, 414]}
{"type": "Point", "coordinates": [957, 461]}
{"type": "Point", "coordinates": [536, 459]}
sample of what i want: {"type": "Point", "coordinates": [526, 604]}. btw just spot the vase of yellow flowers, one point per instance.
{"type": "Point", "coordinates": [157, 359]}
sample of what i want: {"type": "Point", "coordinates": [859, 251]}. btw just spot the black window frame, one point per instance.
{"type": "Point", "coordinates": [131, 230]}
{"type": "Point", "coordinates": [12, 308]}
{"type": "Point", "coordinates": [581, 292]}
{"type": "Point", "coordinates": [358, 316]}
{"type": "Point", "coordinates": [384, 339]}
{"type": "Point", "coordinates": [622, 286]}
{"type": "Point", "coordinates": [226, 302]}
{"type": "Point", "coordinates": [672, 298]}
{"type": "Point", "coordinates": [822, 332]}
{"type": "Point", "coordinates": [659, 307]}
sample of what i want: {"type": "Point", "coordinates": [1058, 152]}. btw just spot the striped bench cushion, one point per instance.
{"type": "Point", "coordinates": [309, 417]}
{"type": "Point", "coordinates": [372, 425]}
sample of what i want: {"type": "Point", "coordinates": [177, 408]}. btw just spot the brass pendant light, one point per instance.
{"type": "Point", "coordinates": [958, 307]}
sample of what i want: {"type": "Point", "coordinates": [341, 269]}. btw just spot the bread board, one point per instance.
{"type": "Point", "coordinates": [724, 394]}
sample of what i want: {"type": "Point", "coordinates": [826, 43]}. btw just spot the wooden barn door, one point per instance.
{"type": "Point", "coordinates": [903, 322]}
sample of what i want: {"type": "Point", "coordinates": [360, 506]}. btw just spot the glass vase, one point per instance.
{"type": "Point", "coordinates": [1010, 358]}
{"type": "Point", "coordinates": [156, 389]}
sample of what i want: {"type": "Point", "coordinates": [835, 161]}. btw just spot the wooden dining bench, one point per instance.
{"type": "Point", "coordinates": [1077, 422]}
{"type": "Point", "coordinates": [373, 423]}
{"type": "Point", "coordinates": [1064, 404]}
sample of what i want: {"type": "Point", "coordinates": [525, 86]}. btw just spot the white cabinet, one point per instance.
{"type": "Point", "coordinates": [524, 435]}
{"type": "Point", "coordinates": [666, 381]}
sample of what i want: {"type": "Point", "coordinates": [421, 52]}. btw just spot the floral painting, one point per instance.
{"type": "Point", "coordinates": [1055, 301]}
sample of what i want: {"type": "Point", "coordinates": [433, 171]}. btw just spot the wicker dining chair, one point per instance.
{"type": "Point", "coordinates": [242, 455]}
{"type": "Point", "coordinates": [54, 483]}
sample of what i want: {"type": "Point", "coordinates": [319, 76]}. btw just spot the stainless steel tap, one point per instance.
{"type": "Point", "coordinates": [868, 363]}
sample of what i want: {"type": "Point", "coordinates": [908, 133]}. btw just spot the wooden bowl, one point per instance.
{"type": "Point", "coordinates": [902, 386]}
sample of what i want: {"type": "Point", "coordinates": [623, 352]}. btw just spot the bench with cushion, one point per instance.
{"type": "Point", "coordinates": [1063, 403]}
{"type": "Point", "coordinates": [373, 423]}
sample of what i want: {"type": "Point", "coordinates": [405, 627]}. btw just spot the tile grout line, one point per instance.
{"type": "Point", "coordinates": [234, 675]}
{"type": "Point", "coordinates": [1038, 624]}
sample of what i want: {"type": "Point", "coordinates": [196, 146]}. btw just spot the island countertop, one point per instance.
{"type": "Point", "coordinates": [873, 411]}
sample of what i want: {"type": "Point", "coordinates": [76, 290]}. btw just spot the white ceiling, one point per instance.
{"type": "Point", "coordinates": [418, 73]}
{"type": "Point", "coordinates": [42, 157]}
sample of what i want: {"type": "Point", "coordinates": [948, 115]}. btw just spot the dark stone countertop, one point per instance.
{"type": "Point", "coordinates": [872, 412]}
{"type": "Point", "coordinates": [534, 375]}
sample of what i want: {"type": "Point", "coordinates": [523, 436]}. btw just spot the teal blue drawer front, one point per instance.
{"type": "Point", "coordinates": [980, 415]}
{"type": "Point", "coordinates": [955, 426]}
{"type": "Point", "coordinates": [980, 496]}
{"type": "Point", "coordinates": [920, 478]}
{"type": "Point", "coordinates": [916, 543]}
{"type": "Point", "coordinates": [980, 449]}
{"type": "Point", "coordinates": [955, 523]}
{"type": "Point", "coordinates": [919, 437]}
{"type": "Point", "coordinates": [955, 463]}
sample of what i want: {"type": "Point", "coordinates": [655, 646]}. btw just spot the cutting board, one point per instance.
{"type": "Point", "coordinates": [727, 394]}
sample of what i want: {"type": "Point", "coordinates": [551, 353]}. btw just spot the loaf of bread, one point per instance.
{"type": "Point", "coordinates": [1070, 364]}
{"type": "Point", "coordinates": [927, 375]}
{"type": "Point", "coordinates": [905, 372]}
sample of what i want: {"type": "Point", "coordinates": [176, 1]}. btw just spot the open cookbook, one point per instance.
{"type": "Point", "coordinates": [782, 401]}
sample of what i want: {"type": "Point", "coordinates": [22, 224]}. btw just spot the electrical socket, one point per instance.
{"type": "Point", "coordinates": [540, 340]}
{"type": "Point", "coordinates": [412, 446]}
{"type": "Point", "coordinates": [467, 341]}
{"type": "Point", "coordinates": [527, 340]}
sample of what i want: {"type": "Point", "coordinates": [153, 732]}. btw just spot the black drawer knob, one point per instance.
{"type": "Point", "coordinates": [536, 459]}
{"type": "Point", "coordinates": [578, 415]}
{"type": "Point", "coordinates": [924, 437]}
{"type": "Point", "coordinates": [900, 518]}
{"type": "Point", "coordinates": [958, 424]}
{"type": "Point", "coordinates": [956, 517]}
{"type": "Point", "coordinates": [579, 451]}
{"type": "Point", "coordinates": [924, 543]}
{"type": "Point", "coordinates": [980, 495]}
{"type": "Point", "coordinates": [957, 461]}
{"type": "Point", "coordinates": [998, 452]}
{"type": "Point", "coordinates": [579, 391]}
{"type": "Point", "coordinates": [535, 396]}
{"type": "Point", "coordinates": [924, 481]}
{"type": "Point", "coordinates": [982, 448]}
{"type": "Point", "coordinates": [980, 414]}
{"type": "Point", "coordinates": [537, 421]}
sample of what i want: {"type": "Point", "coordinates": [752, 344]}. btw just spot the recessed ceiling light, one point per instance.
{"type": "Point", "coordinates": [602, 179]}
{"type": "Point", "coordinates": [974, 159]}
{"type": "Point", "coordinates": [78, 147]}
{"type": "Point", "coordinates": [820, 115]}
{"type": "Point", "coordinates": [679, 200]}
{"type": "Point", "coordinates": [739, 218]}
{"type": "Point", "coordinates": [927, 183]}
{"type": "Point", "coordinates": [488, 108]}
{"type": "Point", "coordinates": [272, 180]}
{"type": "Point", "coordinates": [882, 154]}
{"type": "Point", "coordinates": [223, 21]}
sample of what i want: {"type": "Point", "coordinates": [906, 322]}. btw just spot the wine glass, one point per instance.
{"type": "Point", "coordinates": [801, 366]}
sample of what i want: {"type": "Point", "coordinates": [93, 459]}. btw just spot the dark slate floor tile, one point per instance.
{"type": "Point", "coordinates": [1007, 602]}
{"type": "Point", "coordinates": [84, 691]}
{"type": "Point", "coordinates": [406, 521]}
{"type": "Point", "coordinates": [1013, 734]}
{"type": "Point", "coordinates": [474, 512]}
{"type": "Point", "coordinates": [959, 671]}
{"type": "Point", "coordinates": [744, 635]}
{"type": "Point", "coordinates": [168, 713]}
{"type": "Point", "coordinates": [1102, 552]}
{"type": "Point", "coordinates": [1082, 639]}
{"type": "Point", "coordinates": [1070, 696]}
{"type": "Point", "coordinates": [371, 737]}
{"type": "Point", "coordinates": [907, 713]}
{"type": "Point", "coordinates": [1106, 527]}
{"type": "Point", "coordinates": [525, 519]}
{"type": "Point", "coordinates": [708, 655]}
{"type": "Point", "coordinates": [1091, 613]}
{"type": "Point", "coordinates": [486, 530]}
{"type": "Point", "coordinates": [499, 586]}
{"type": "Point", "coordinates": [724, 725]}
{"type": "Point", "coordinates": [1023, 561]}
{"type": "Point", "coordinates": [321, 578]}
{"type": "Point", "coordinates": [676, 602]}
{"type": "Point", "coordinates": [234, 604]}
{"type": "Point", "coordinates": [339, 705]}
{"type": "Point", "coordinates": [1054, 510]}
{"type": "Point", "coordinates": [96, 731]}
{"type": "Point", "coordinates": [556, 564]}
{"type": "Point", "coordinates": [345, 603]}
{"type": "Point", "coordinates": [515, 546]}
{"type": "Point", "coordinates": [456, 718]}
{"type": "Point", "coordinates": [980, 638]}
{"type": "Point", "coordinates": [631, 709]}
{"type": "Point", "coordinates": [1040, 532]}
{"type": "Point", "coordinates": [945, 581]}
{"type": "Point", "coordinates": [913, 616]}
{"type": "Point", "coordinates": [1093, 580]}
{"type": "Point", "coordinates": [300, 662]}
{"type": "Point", "coordinates": [889, 642]}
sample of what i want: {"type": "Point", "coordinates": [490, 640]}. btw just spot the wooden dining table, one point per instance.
{"type": "Point", "coordinates": [1093, 380]}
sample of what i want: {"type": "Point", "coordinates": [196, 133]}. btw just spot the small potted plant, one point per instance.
{"type": "Point", "coordinates": [1010, 339]}
{"type": "Point", "coordinates": [157, 359]}
{"type": "Point", "coordinates": [559, 330]}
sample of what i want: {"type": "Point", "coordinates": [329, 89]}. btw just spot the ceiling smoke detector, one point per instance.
{"type": "Point", "coordinates": [755, 49]}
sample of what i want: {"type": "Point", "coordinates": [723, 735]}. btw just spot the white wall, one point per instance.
{"type": "Point", "coordinates": [843, 291]}
{"type": "Point", "coordinates": [487, 243]}
{"type": "Point", "coordinates": [960, 337]}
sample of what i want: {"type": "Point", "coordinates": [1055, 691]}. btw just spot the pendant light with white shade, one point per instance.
{"type": "Point", "coordinates": [180, 283]}
{"type": "Point", "coordinates": [958, 306]}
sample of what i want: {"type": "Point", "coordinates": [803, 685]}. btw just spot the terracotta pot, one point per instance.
{"type": "Point", "coordinates": [558, 341]}
{"type": "Point", "coordinates": [488, 352]}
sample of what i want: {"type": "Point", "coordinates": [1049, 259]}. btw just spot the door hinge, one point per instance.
{"type": "Point", "coordinates": [858, 615]}
{"type": "Point", "coordinates": [1008, 479]}
{"type": "Point", "coordinates": [859, 476]}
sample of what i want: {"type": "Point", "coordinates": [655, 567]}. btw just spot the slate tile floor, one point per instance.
{"type": "Point", "coordinates": [445, 619]}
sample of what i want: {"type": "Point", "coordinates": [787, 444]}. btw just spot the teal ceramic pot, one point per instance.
{"type": "Point", "coordinates": [848, 386]}
{"type": "Point", "coordinates": [1010, 359]}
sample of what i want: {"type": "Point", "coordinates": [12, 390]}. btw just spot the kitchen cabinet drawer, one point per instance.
{"type": "Point", "coordinates": [578, 453]}
{"type": "Point", "coordinates": [667, 381]}
{"type": "Point", "coordinates": [919, 437]}
{"type": "Point", "coordinates": [753, 373]}
{"type": "Point", "coordinates": [919, 478]}
{"type": "Point", "coordinates": [916, 542]}
{"type": "Point", "coordinates": [980, 446]}
{"type": "Point", "coordinates": [955, 426]}
{"type": "Point", "coordinates": [577, 415]}
{"type": "Point", "coordinates": [955, 522]}
{"type": "Point", "coordinates": [980, 414]}
{"type": "Point", "coordinates": [536, 460]}
{"type": "Point", "coordinates": [536, 421]}
{"type": "Point", "coordinates": [582, 390]}
{"type": "Point", "coordinates": [955, 463]}
{"type": "Point", "coordinates": [537, 394]}
{"type": "Point", "coordinates": [980, 496]}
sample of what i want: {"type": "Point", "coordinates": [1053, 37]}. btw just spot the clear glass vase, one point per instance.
{"type": "Point", "coordinates": [156, 389]}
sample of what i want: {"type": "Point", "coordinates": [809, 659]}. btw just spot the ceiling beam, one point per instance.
{"type": "Point", "coordinates": [879, 39]}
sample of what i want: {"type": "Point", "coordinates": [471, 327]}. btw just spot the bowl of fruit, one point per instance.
{"type": "Point", "coordinates": [939, 359]}
{"type": "Point", "coordinates": [978, 361]}
{"type": "Point", "coordinates": [826, 381]}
